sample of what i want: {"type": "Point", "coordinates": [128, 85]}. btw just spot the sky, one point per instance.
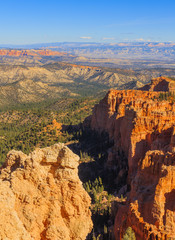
{"type": "Point", "coordinates": [36, 21]}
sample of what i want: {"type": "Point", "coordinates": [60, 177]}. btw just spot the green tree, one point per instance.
{"type": "Point", "coordinates": [129, 234]}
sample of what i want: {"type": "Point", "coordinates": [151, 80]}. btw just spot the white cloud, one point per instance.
{"type": "Point", "coordinates": [143, 40]}
{"type": "Point", "coordinates": [86, 37]}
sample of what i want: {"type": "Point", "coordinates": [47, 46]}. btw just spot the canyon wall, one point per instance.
{"type": "Point", "coordinates": [41, 196]}
{"type": "Point", "coordinates": [143, 130]}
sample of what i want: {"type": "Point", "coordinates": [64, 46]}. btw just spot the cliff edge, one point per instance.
{"type": "Point", "coordinates": [143, 157]}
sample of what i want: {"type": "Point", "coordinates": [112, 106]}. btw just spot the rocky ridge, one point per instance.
{"type": "Point", "coordinates": [143, 156]}
{"type": "Point", "coordinates": [62, 79]}
{"type": "Point", "coordinates": [68, 73]}
{"type": "Point", "coordinates": [42, 197]}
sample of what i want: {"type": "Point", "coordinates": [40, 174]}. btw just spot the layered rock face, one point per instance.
{"type": "Point", "coordinates": [143, 132]}
{"type": "Point", "coordinates": [42, 197]}
{"type": "Point", "coordinates": [160, 84]}
{"type": "Point", "coordinates": [150, 209]}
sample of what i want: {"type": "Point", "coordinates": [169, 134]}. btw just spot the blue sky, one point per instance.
{"type": "Point", "coordinates": [25, 22]}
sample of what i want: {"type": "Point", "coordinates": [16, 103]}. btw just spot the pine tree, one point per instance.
{"type": "Point", "coordinates": [129, 234]}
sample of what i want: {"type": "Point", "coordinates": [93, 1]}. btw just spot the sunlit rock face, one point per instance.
{"type": "Point", "coordinates": [161, 84]}
{"type": "Point", "coordinates": [143, 130]}
{"type": "Point", "coordinates": [42, 197]}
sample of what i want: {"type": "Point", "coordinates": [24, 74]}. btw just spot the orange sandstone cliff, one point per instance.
{"type": "Point", "coordinates": [143, 131]}
{"type": "Point", "coordinates": [160, 84]}
{"type": "Point", "coordinates": [41, 196]}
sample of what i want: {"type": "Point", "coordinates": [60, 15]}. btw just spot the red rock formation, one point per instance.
{"type": "Point", "coordinates": [32, 52]}
{"type": "Point", "coordinates": [150, 209]}
{"type": "Point", "coordinates": [41, 196]}
{"type": "Point", "coordinates": [160, 84]}
{"type": "Point", "coordinates": [143, 131]}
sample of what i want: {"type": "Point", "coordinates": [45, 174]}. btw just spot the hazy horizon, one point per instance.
{"type": "Point", "coordinates": [55, 44]}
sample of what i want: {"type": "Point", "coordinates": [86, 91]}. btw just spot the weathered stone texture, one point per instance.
{"type": "Point", "coordinates": [41, 196]}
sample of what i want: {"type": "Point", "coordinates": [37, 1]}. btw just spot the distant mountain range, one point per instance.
{"type": "Point", "coordinates": [39, 72]}
{"type": "Point", "coordinates": [31, 52]}
{"type": "Point", "coordinates": [135, 55]}
{"type": "Point", "coordinates": [134, 50]}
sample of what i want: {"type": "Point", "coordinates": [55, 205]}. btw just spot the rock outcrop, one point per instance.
{"type": "Point", "coordinates": [161, 84]}
{"type": "Point", "coordinates": [143, 131]}
{"type": "Point", "coordinates": [42, 197]}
